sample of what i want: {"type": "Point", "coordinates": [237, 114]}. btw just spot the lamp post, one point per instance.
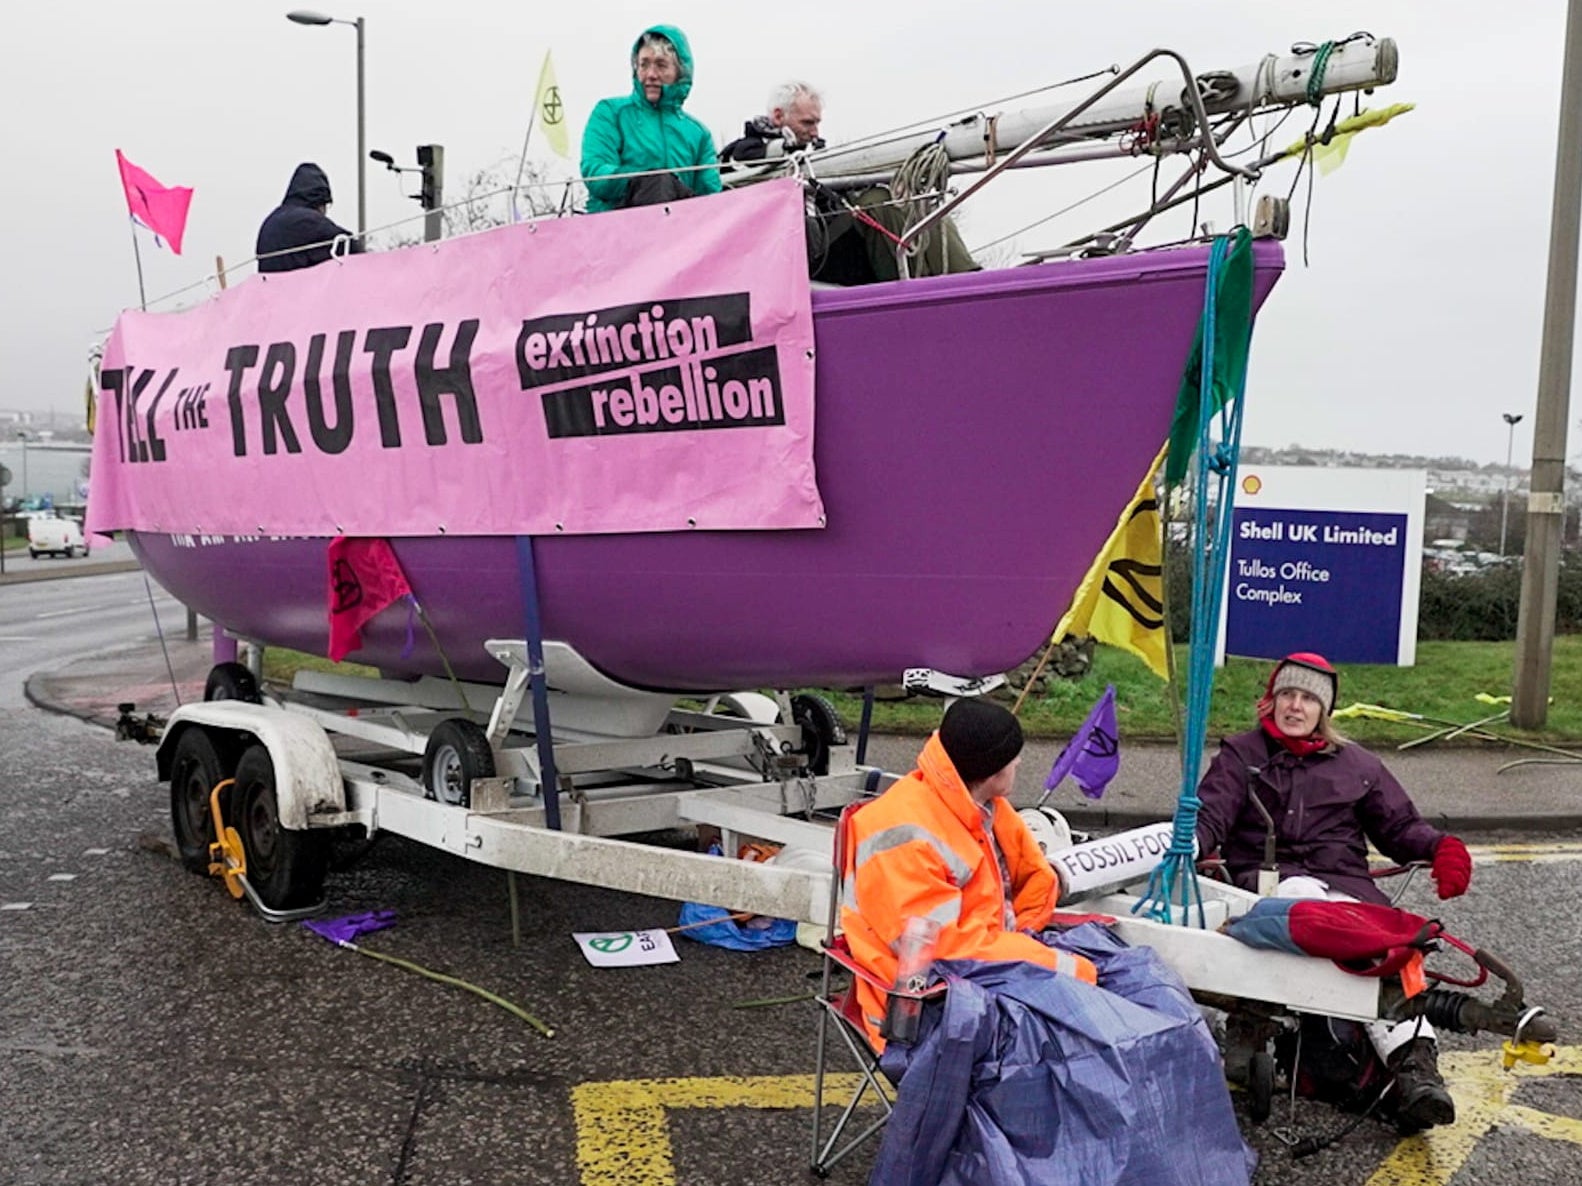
{"type": "Point", "coordinates": [1511, 419]}
{"type": "Point", "coordinates": [21, 434]}
{"type": "Point", "coordinates": [303, 16]}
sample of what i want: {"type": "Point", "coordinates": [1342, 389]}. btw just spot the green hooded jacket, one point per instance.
{"type": "Point", "coordinates": [630, 135]}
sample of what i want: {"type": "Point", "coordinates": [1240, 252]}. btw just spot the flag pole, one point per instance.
{"type": "Point", "coordinates": [532, 116]}
{"type": "Point", "coordinates": [137, 254]}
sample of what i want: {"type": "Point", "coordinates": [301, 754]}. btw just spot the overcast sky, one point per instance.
{"type": "Point", "coordinates": [1415, 326]}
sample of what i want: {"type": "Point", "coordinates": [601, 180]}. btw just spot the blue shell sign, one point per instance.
{"type": "Point", "coordinates": [1322, 561]}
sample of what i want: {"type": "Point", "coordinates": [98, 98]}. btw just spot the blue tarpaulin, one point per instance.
{"type": "Point", "coordinates": [1021, 1077]}
{"type": "Point", "coordinates": [754, 934]}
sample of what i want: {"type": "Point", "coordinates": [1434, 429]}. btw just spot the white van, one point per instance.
{"type": "Point", "coordinates": [55, 537]}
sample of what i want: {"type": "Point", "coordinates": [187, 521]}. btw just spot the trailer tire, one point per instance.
{"type": "Point", "coordinates": [194, 772]}
{"type": "Point", "coordinates": [821, 728]}
{"type": "Point", "coordinates": [285, 867]}
{"type": "Point", "coordinates": [458, 751]}
{"type": "Point", "coordinates": [231, 681]}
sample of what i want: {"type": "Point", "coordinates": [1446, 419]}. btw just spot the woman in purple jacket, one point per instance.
{"type": "Point", "coordinates": [1324, 799]}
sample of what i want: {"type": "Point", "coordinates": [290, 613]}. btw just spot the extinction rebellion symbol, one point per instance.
{"type": "Point", "coordinates": [554, 112]}
{"type": "Point", "coordinates": [610, 944]}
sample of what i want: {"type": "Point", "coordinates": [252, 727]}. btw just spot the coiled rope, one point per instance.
{"type": "Point", "coordinates": [919, 185]}
{"type": "Point", "coordinates": [1315, 73]}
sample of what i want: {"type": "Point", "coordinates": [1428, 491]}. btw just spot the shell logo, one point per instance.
{"type": "Point", "coordinates": [1251, 484]}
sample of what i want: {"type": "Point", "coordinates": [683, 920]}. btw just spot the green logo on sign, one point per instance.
{"type": "Point", "coordinates": [611, 944]}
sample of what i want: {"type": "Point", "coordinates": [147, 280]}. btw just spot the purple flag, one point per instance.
{"type": "Point", "coordinates": [1092, 756]}
{"type": "Point", "coordinates": [343, 930]}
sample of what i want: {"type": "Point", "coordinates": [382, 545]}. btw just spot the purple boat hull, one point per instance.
{"type": "Point", "coordinates": [977, 436]}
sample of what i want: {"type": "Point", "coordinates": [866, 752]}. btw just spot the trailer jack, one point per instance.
{"type": "Point", "coordinates": [145, 730]}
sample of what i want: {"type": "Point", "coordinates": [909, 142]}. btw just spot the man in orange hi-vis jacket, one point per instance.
{"type": "Point", "coordinates": [944, 845]}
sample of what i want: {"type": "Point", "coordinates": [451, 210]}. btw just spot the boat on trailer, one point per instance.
{"type": "Point", "coordinates": [976, 436]}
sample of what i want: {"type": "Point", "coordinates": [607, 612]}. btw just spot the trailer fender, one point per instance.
{"type": "Point", "coordinates": [307, 773]}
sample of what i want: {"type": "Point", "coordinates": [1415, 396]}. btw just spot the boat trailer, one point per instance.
{"type": "Point", "coordinates": [422, 760]}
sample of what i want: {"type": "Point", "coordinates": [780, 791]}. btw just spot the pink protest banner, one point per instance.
{"type": "Point", "coordinates": [643, 370]}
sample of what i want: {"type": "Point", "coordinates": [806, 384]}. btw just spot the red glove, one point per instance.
{"type": "Point", "coordinates": [1452, 868]}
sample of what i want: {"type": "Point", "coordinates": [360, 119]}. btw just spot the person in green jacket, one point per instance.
{"type": "Point", "coordinates": [647, 131]}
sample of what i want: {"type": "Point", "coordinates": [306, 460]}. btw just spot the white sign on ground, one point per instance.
{"type": "Point", "coordinates": [1325, 559]}
{"type": "Point", "coordinates": [626, 949]}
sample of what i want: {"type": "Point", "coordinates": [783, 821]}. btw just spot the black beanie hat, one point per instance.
{"type": "Point", "coordinates": [980, 737]}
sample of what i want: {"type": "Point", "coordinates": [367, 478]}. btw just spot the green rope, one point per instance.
{"type": "Point", "coordinates": [1315, 76]}
{"type": "Point", "coordinates": [768, 1002]}
{"type": "Point", "coordinates": [515, 1010]}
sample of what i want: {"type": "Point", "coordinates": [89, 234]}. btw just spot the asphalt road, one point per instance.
{"type": "Point", "coordinates": [154, 1031]}
{"type": "Point", "coordinates": [17, 561]}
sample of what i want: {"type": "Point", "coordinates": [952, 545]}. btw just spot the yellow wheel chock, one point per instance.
{"type": "Point", "coordinates": [227, 860]}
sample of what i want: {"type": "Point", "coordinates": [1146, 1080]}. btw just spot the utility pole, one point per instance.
{"type": "Point", "coordinates": [1535, 623]}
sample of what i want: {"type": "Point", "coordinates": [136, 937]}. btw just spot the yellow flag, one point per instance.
{"type": "Point", "coordinates": [550, 111]}
{"type": "Point", "coordinates": [1121, 600]}
{"type": "Point", "coordinates": [1329, 157]}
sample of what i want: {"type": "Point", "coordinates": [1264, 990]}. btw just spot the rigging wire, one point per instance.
{"type": "Point", "coordinates": [159, 629]}
{"type": "Point", "coordinates": [1065, 209]}
{"type": "Point", "coordinates": [901, 131]}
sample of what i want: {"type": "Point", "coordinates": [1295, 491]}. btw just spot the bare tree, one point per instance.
{"type": "Point", "coordinates": [488, 200]}
{"type": "Point", "coordinates": [484, 199]}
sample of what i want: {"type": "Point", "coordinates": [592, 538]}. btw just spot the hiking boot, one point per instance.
{"type": "Point", "coordinates": [1421, 1100]}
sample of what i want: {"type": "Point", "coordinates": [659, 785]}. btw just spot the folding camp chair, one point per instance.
{"type": "Point", "coordinates": [840, 1010]}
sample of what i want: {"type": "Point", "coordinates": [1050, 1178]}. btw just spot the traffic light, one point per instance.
{"type": "Point", "coordinates": [431, 159]}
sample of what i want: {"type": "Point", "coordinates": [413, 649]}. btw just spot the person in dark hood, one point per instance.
{"type": "Point", "coordinates": [647, 132]}
{"type": "Point", "coordinates": [298, 233]}
{"type": "Point", "coordinates": [1326, 799]}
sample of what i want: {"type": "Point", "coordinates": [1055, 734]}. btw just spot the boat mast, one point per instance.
{"type": "Point", "coordinates": [1274, 81]}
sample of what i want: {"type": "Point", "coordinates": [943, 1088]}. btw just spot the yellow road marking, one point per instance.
{"type": "Point", "coordinates": [622, 1137]}
{"type": "Point", "coordinates": [1483, 1091]}
{"type": "Point", "coordinates": [1559, 850]}
{"type": "Point", "coordinates": [1487, 854]}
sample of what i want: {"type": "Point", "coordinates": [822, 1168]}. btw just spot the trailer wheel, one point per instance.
{"type": "Point", "coordinates": [821, 728]}
{"type": "Point", "coordinates": [194, 772]}
{"type": "Point", "coordinates": [286, 868]}
{"type": "Point", "coordinates": [1260, 1086]}
{"type": "Point", "coordinates": [458, 751]}
{"type": "Point", "coordinates": [231, 681]}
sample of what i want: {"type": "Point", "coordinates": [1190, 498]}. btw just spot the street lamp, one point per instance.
{"type": "Point", "coordinates": [1511, 419]}
{"type": "Point", "coordinates": [22, 436]}
{"type": "Point", "coordinates": [303, 16]}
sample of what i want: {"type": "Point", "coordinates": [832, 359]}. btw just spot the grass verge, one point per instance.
{"type": "Point", "coordinates": [1444, 683]}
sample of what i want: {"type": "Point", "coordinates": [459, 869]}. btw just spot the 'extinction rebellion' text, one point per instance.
{"type": "Point", "coordinates": [651, 368]}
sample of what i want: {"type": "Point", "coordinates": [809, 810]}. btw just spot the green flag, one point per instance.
{"type": "Point", "coordinates": [1232, 337]}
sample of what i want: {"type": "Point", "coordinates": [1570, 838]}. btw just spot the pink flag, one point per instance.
{"type": "Point", "coordinates": [365, 577]}
{"type": "Point", "coordinates": [162, 209]}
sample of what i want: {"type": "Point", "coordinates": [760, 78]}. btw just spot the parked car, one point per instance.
{"type": "Point", "coordinates": [55, 537]}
